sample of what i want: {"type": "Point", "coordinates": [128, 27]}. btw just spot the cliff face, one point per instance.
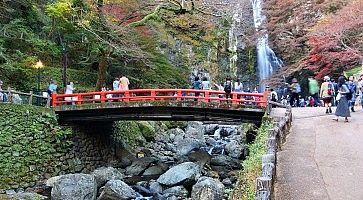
{"type": "Point", "coordinates": [320, 36]}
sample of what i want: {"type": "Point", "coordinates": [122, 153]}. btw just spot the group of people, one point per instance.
{"type": "Point", "coordinates": [342, 94]}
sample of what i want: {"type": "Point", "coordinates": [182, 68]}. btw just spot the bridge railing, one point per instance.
{"type": "Point", "coordinates": [17, 97]}
{"type": "Point", "coordinates": [207, 96]}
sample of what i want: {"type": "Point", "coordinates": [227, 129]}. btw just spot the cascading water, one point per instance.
{"type": "Point", "coordinates": [267, 60]}
{"type": "Point", "coordinates": [233, 42]}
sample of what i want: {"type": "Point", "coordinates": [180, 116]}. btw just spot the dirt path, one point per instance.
{"type": "Point", "coordinates": [322, 159]}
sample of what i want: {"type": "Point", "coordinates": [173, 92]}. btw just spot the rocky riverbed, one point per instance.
{"type": "Point", "coordinates": [188, 161]}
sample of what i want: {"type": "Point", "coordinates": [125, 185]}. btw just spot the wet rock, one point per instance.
{"type": "Point", "coordinates": [104, 174]}
{"type": "Point", "coordinates": [187, 145]}
{"type": "Point", "coordinates": [226, 131]}
{"type": "Point", "coordinates": [155, 187]}
{"type": "Point", "coordinates": [223, 160]}
{"type": "Point", "coordinates": [117, 190]}
{"type": "Point", "coordinates": [178, 191]}
{"type": "Point", "coordinates": [74, 187]}
{"type": "Point", "coordinates": [139, 165]}
{"type": "Point", "coordinates": [234, 149]}
{"type": "Point", "coordinates": [153, 170]}
{"type": "Point", "coordinates": [207, 189]}
{"type": "Point", "coordinates": [50, 182]}
{"type": "Point", "coordinates": [210, 128]}
{"type": "Point", "coordinates": [227, 181]}
{"type": "Point", "coordinates": [195, 130]}
{"type": "Point", "coordinates": [201, 157]}
{"type": "Point", "coordinates": [180, 173]}
{"type": "Point", "coordinates": [125, 157]}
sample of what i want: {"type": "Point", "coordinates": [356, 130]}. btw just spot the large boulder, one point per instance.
{"type": "Point", "coordinates": [147, 130]}
{"type": "Point", "coordinates": [117, 190]}
{"type": "Point", "coordinates": [185, 146]}
{"type": "Point", "coordinates": [208, 189]}
{"type": "Point", "coordinates": [104, 174]}
{"type": "Point", "coordinates": [195, 130]}
{"type": "Point", "coordinates": [27, 196]}
{"type": "Point", "coordinates": [201, 157]}
{"type": "Point", "coordinates": [74, 187]}
{"type": "Point", "coordinates": [139, 165]}
{"type": "Point", "coordinates": [210, 128]}
{"type": "Point", "coordinates": [234, 149]}
{"type": "Point", "coordinates": [223, 160]}
{"type": "Point", "coordinates": [187, 171]}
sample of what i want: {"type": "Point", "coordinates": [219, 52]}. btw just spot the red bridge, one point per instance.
{"type": "Point", "coordinates": [159, 105]}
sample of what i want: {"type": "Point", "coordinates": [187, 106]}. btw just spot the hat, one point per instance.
{"type": "Point", "coordinates": [326, 78]}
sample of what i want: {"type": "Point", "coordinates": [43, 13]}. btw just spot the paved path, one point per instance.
{"type": "Point", "coordinates": [321, 159]}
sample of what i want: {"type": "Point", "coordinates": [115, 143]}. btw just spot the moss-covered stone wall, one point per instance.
{"type": "Point", "coordinates": [33, 147]}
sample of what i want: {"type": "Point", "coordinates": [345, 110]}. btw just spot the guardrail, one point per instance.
{"type": "Point", "coordinates": [30, 98]}
{"type": "Point", "coordinates": [207, 96]}
{"type": "Point", "coordinates": [276, 137]}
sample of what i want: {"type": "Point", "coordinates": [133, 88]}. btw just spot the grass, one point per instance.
{"type": "Point", "coordinates": [246, 185]}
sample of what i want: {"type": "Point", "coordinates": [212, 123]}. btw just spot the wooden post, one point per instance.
{"type": "Point", "coordinates": [103, 97]}
{"type": "Point", "coordinates": [269, 158]}
{"type": "Point", "coordinates": [30, 101]}
{"type": "Point", "coordinates": [127, 95]}
{"type": "Point", "coordinates": [79, 99]}
{"type": "Point", "coordinates": [271, 133]}
{"type": "Point", "coordinates": [54, 100]}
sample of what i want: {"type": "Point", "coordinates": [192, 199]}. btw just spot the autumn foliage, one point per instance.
{"type": "Point", "coordinates": [322, 36]}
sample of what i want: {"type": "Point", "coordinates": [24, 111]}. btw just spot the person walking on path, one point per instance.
{"type": "Point", "coordinates": [343, 107]}
{"type": "Point", "coordinates": [124, 83]}
{"type": "Point", "coordinates": [52, 88]}
{"type": "Point", "coordinates": [353, 89]}
{"type": "Point", "coordinates": [295, 91]}
{"type": "Point", "coordinates": [314, 90]}
{"type": "Point", "coordinates": [326, 93]}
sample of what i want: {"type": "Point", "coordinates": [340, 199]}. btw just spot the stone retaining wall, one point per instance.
{"type": "Point", "coordinates": [33, 148]}
{"type": "Point", "coordinates": [276, 137]}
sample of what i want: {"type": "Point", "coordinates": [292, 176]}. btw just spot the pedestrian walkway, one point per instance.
{"type": "Point", "coordinates": [321, 159]}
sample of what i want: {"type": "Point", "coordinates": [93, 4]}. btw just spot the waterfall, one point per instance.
{"type": "Point", "coordinates": [232, 45]}
{"type": "Point", "coordinates": [267, 60]}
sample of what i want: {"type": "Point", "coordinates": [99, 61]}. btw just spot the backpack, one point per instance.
{"type": "Point", "coordinates": [297, 88]}
{"type": "Point", "coordinates": [351, 91]}
{"type": "Point", "coordinates": [330, 87]}
{"type": "Point", "coordinates": [273, 97]}
{"type": "Point", "coordinates": [197, 85]}
{"type": "Point", "coordinates": [228, 87]}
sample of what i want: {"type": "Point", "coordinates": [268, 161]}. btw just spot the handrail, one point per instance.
{"type": "Point", "coordinates": [30, 95]}
{"type": "Point", "coordinates": [160, 95]}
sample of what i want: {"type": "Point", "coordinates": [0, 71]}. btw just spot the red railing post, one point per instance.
{"type": "Point", "coordinates": [103, 97]}
{"type": "Point", "coordinates": [54, 100]}
{"type": "Point", "coordinates": [206, 96]}
{"type": "Point", "coordinates": [179, 95]}
{"type": "Point", "coordinates": [79, 99]}
{"type": "Point", "coordinates": [127, 96]}
{"type": "Point", "coordinates": [234, 98]}
{"type": "Point", "coordinates": [153, 94]}
{"type": "Point", "coordinates": [265, 99]}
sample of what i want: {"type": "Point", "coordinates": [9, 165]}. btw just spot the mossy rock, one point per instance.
{"type": "Point", "coordinates": [147, 130]}
{"type": "Point", "coordinates": [175, 124]}
{"type": "Point", "coordinates": [128, 132]}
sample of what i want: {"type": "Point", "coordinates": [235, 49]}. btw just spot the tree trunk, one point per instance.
{"type": "Point", "coordinates": [101, 74]}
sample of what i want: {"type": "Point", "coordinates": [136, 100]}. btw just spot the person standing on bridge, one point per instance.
{"type": "Point", "coordinates": [205, 84]}
{"type": "Point", "coordinates": [343, 106]}
{"type": "Point", "coordinates": [196, 85]}
{"type": "Point", "coordinates": [238, 86]}
{"type": "Point", "coordinates": [228, 87]}
{"type": "Point", "coordinates": [124, 83]}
